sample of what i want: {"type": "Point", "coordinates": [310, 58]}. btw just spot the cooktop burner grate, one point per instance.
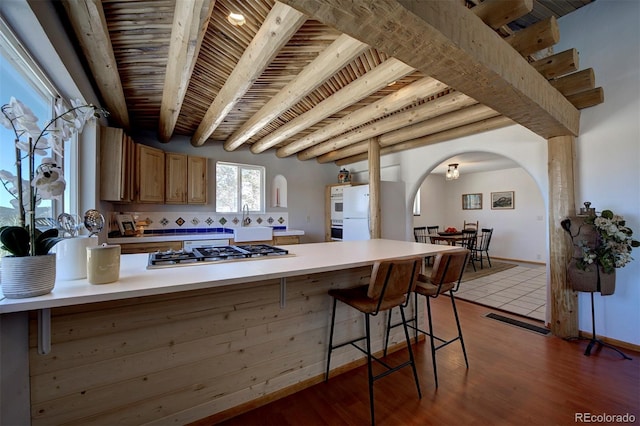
{"type": "Point", "coordinates": [205, 255]}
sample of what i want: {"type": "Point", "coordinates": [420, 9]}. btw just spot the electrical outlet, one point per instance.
{"type": "Point", "coordinates": [308, 219]}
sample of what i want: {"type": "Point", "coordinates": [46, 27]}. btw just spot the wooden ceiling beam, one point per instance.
{"type": "Point", "coordinates": [190, 21]}
{"type": "Point", "coordinates": [421, 113]}
{"type": "Point", "coordinates": [335, 57]}
{"type": "Point", "coordinates": [448, 42]}
{"type": "Point", "coordinates": [406, 96]}
{"type": "Point", "coordinates": [536, 37]}
{"type": "Point", "coordinates": [376, 79]}
{"type": "Point", "coordinates": [90, 26]}
{"type": "Point", "coordinates": [280, 25]}
{"type": "Point", "coordinates": [577, 82]}
{"type": "Point", "coordinates": [496, 13]}
{"type": "Point", "coordinates": [441, 123]}
{"type": "Point", "coordinates": [587, 98]}
{"type": "Point", "coordinates": [447, 135]}
{"type": "Point", "coordinates": [557, 65]}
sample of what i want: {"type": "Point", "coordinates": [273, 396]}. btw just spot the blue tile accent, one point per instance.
{"type": "Point", "coordinates": [190, 231]}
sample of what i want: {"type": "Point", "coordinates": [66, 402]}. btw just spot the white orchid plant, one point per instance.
{"type": "Point", "coordinates": [46, 181]}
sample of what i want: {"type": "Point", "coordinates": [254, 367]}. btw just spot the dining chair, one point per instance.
{"type": "Point", "coordinates": [469, 241]}
{"type": "Point", "coordinates": [433, 229]}
{"type": "Point", "coordinates": [420, 234]}
{"type": "Point", "coordinates": [390, 286]}
{"type": "Point", "coordinates": [444, 279]}
{"type": "Point", "coordinates": [483, 247]}
{"type": "Point", "coordinates": [471, 225]}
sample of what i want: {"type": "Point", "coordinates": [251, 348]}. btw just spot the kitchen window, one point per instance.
{"type": "Point", "coordinates": [416, 204]}
{"type": "Point", "coordinates": [239, 185]}
{"type": "Point", "coordinates": [22, 79]}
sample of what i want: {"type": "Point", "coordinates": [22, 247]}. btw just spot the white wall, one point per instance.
{"type": "Point", "coordinates": [518, 234]}
{"type": "Point", "coordinates": [607, 36]}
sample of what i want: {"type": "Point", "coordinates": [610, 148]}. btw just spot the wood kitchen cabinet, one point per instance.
{"type": "Point", "coordinates": [133, 248]}
{"type": "Point", "coordinates": [185, 179]}
{"type": "Point", "coordinates": [286, 239]}
{"type": "Point", "coordinates": [175, 178]}
{"type": "Point", "coordinates": [117, 159]}
{"type": "Point", "coordinates": [149, 174]}
{"type": "Point", "coordinates": [197, 180]}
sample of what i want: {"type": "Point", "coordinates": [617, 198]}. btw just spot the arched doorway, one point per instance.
{"type": "Point", "coordinates": [519, 231]}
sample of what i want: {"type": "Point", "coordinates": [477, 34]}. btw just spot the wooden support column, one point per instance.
{"type": "Point", "coordinates": [563, 300]}
{"type": "Point", "coordinates": [375, 224]}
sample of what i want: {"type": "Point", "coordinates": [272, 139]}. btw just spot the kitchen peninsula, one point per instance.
{"type": "Point", "coordinates": [180, 344]}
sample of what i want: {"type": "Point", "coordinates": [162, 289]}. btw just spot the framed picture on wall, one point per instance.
{"type": "Point", "coordinates": [471, 201]}
{"type": "Point", "coordinates": [502, 200]}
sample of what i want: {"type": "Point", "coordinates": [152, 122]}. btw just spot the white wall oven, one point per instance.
{"type": "Point", "coordinates": [336, 212]}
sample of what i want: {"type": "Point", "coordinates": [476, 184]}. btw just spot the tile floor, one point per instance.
{"type": "Point", "coordinates": [520, 290]}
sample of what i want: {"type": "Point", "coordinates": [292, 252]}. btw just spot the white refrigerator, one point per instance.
{"type": "Point", "coordinates": [356, 223]}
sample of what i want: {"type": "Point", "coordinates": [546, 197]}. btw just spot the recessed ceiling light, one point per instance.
{"type": "Point", "coordinates": [236, 19]}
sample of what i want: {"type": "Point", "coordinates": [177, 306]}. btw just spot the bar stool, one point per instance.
{"type": "Point", "coordinates": [390, 285]}
{"type": "Point", "coordinates": [445, 277]}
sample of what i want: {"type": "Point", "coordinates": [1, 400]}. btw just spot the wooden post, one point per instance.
{"type": "Point", "coordinates": [375, 225]}
{"type": "Point", "coordinates": [563, 300]}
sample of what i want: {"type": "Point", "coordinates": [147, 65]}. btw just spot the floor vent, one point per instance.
{"type": "Point", "coordinates": [517, 323]}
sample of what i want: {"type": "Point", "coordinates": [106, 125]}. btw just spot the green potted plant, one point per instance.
{"type": "Point", "coordinates": [30, 270]}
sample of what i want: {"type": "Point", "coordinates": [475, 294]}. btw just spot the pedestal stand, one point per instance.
{"type": "Point", "coordinates": [595, 340]}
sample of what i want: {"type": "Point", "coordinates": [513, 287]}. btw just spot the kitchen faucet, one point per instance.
{"type": "Point", "coordinates": [246, 220]}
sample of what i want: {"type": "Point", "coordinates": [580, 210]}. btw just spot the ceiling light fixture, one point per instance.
{"type": "Point", "coordinates": [452, 172]}
{"type": "Point", "coordinates": [236, 19]}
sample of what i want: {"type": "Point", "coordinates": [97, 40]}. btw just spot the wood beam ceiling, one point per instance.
{"type": "Point", "coordinates": [281, 23]}
{"type": "Point", "coordinates": [331, 101]}
{"type": "Point", "coordinates": [89, 23]}
{"type": "Point", "coordinates": [448, 42]}
{"type": "Point", "coordinates": [190, 21]}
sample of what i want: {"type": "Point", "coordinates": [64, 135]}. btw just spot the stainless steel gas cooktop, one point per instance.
{"type": "Point", "coordinates": [207, 255]}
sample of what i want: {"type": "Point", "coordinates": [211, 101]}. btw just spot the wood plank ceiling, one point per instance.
{"type": "Point", "coordinates": [288, 81]}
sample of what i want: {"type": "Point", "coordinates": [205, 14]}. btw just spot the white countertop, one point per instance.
{"type": "Point", "coordinates": [192, 237]}
{"type": "Point", "coordinates": [136, 280]}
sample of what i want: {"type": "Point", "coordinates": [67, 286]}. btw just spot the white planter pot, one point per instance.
{"type": "Point", "coordinates": [28, 276]}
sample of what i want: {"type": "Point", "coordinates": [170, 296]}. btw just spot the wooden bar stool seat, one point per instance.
{"type": "Point", "coordinates": [390, 285]}
{"type": "Point", "coordinates": [445, 277]}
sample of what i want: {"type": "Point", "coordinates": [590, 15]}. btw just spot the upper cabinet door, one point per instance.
{"type": "Point", "coordinates": [149, 174]}
{"type": "Point", "coordinates": [197, 187]}
{"type": "Point", "coordinates": [175, 178]}
{"type": "Point", "coordinates": [113, 165]}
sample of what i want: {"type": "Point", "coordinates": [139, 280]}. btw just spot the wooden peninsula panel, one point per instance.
{"type": "Point", "coordinates": [184, 356]}
{"type": "Point", "coordinates": [180, 344]}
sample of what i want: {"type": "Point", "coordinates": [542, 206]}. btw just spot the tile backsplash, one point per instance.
{"type": "Point", "coordinates": [181, 222]}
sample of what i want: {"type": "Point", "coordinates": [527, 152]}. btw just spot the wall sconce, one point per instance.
{"type": "Point", "coordinates": [279, 192]}
{"type": "Point", "coordinates": [452, 172]}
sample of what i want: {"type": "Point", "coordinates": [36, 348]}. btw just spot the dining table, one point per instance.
{"type": "Point", "coordinates": [451, 238]}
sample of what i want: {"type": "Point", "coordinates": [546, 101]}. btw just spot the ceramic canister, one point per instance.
{"type": "Point", "coordinates": [103, 264]}
{"type": "Point", "coordinates": [71, 257]}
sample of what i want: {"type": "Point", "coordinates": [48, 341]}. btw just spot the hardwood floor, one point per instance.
{"type": "Point", "coordinates": [515, 377]}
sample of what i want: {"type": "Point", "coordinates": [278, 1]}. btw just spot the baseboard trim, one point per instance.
{"type": "Point", "coordinates": [530, 262]}
{"type": "Point", "coordinates": [610, 341]}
